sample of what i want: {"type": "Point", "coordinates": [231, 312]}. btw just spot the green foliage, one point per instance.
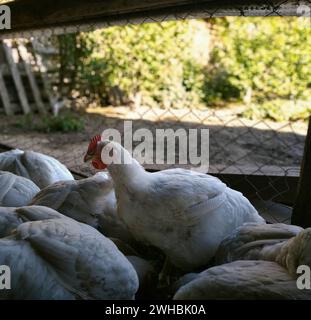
{"type": "Point", "coordinates": [269, 57]}
{"type": "Point", "coordinates": [73, 50]}
{"type": "Point", "coordinates": [265, 62]}
{"type": "Point", "coordinates": [66, 122]}
{"type": "Point", "coordinates": [164, 62]}
{"type": "Point", "coordinates": [279, 110]}
{"type": "Point", "coordinates": [61, 123]}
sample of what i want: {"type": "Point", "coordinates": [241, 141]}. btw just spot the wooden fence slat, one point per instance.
{"type": "Point", "coordinates": [16, 77]}
{"type": "Point", "coordinates": [33, 84]}
{"type": "Point", "coordinates": [43, 70]}
{"type": "Point", "coordinates": [5, 95]}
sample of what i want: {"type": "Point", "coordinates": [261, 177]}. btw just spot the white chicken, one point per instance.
{"type": "Point", "coordinates": [263, 262]}
{"type": "Point", "coordinates": [289, 246]}
{"type": "Point", "coordinates": [55, 257]}
{"type": "Point", "coordinates": [43, 170]}
{"type": "Point", "coordinates": [16, 191]}
{"type": "Point", "coordinates": [183, 213]}
{"type": "Point", "coordinates": [248, 279]}
{"type": "Point", "coordinates": [255, 242]}
{"type": "Point", "coordinates": [91, 201]}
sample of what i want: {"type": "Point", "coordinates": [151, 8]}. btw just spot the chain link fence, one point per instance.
{"type": "Point", "coordinates": [260, 157]}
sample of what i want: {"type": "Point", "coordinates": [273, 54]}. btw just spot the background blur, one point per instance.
{"type": "Point", "coordinates": [264, 64]}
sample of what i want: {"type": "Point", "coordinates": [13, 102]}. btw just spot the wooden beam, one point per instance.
{"type": "Point", "coordinates": [5, 95]}
{"type": "Point", "coordinates": [39, 61]}
{"type": "Point", "coordinates": [46, 14]}
{"type": "Point", "coordinates": [16, 77]}
{"type": "Point", "coordinates": [31, 78]}
{"type": "Point", "coordinates": [302, 209]}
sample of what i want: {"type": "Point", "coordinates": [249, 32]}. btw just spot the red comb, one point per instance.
{"type": "Point", "coordinates": [93, 142]}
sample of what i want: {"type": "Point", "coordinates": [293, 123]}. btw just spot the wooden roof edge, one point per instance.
{"type": "Point", "coordinates": [29, 16]}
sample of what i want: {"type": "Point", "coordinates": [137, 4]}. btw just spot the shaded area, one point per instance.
{"type": "Point", "coordinates": [263, 164]}
{"type": "Point", "coordinates": [237, 149]}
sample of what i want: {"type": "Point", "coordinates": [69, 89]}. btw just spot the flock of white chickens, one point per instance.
{"type": "Point", "coordinates": [107, 236]}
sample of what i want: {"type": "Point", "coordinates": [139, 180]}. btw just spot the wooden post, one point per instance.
{"type": "Point", "coordinates": [43, 73]}
{"type": "Point", "coordinates": [31, 78]}
{"type": "Point", "coordinates": [302, 208]}
{"type": "Point", "coordinates": [5, 95]}
{"type": "Point", "coordinates": [16, 77]}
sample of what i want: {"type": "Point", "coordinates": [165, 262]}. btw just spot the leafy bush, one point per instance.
{"type": "Point", "coordinates": [264, 61]}
{"type": "Point", "coordinates": [269, 57]}
{"type": "Point", "coordinates": [66, 122]}
{"type": "Point", "coordinates": [164, 62]}
{"type": "Point", "coordinates": [61, 123]}
{"type": "Point", "coordinates": [279, 110]}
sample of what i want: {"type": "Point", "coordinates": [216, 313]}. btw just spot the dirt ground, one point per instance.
{"type": "Point", "coordinates": [237, 145]}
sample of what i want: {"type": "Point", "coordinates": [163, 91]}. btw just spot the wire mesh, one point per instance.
{"type": "Point", "coordinates": [239, 147]}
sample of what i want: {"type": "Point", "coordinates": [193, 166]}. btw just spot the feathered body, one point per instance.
{"type": "Point", "coordinates": [43, 170]}
{"type": "Point", "coordinates": [243, 280]}
{"type": "Point", "coordinates": [256, 262]}
{"type": "Point", "coordinates": [16, 191]}
{"type": "Point", "coordinates": [184, 213]}
{"type": "Point", "coordinates": [288, 245]}
{"type": "Point", "coordinates": [54, 257]}
{"type": "Point", "coordinates": [91, 201]}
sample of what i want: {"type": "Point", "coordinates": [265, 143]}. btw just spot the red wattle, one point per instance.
{"type": "Point", "coordinates": [98, 164]}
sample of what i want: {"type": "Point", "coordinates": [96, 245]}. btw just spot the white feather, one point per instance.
{"type": "Point", "coordinates": [184, 213]}
{"type": "Point", "coordinates": [43, 170]}
{"type": "Point", "coordinates": [260, 262]}
{"type": "Point", "coordinates": [54, 257]}
{"type": "Point", "coordinates": [91, 201]}
{"type": "Point", "coordinates": [250, 280]}
{"type": "Point", "coordinates": [16, 191]}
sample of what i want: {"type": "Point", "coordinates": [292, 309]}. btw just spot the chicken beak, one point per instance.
{"type": "Point", "coordinates": [87, 158]}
